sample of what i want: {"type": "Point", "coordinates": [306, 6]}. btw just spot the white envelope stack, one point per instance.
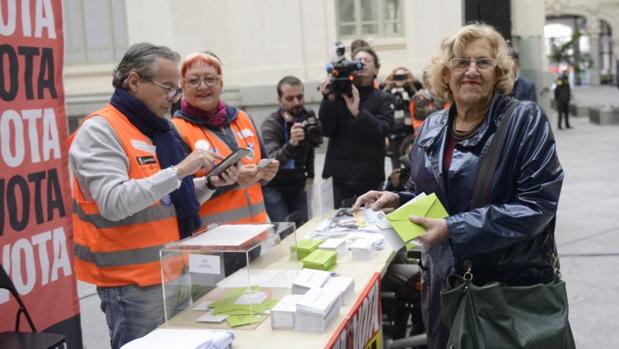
{"type": "Point", "coordinates": [316, 310]}
{"type": "Point", "coordinates": [344, 285]}
{"type": "Point", "coordinates": [309, 278]}
{"type": "Point", "coordinates": [336, 244]}
{"type": "Point", "coordinates": [282, 314]}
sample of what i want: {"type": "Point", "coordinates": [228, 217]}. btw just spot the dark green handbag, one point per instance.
{"type": "Point", "coordinates": [498, 316]}
{"type": "Point", "coordinates": [495, 315]}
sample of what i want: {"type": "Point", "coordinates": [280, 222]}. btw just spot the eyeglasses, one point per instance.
{"type": "Point", "coordinates": [209, 81]}
{"type": "Point", "coordinates": [172, 93]}
{"type": "Point", "coordinates": [461, 63]}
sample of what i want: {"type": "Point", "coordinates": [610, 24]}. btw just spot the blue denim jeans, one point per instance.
{"type": "Point", "coordinates": [282, 201]}
{"type": "Point", "coordinates": [132, 311]}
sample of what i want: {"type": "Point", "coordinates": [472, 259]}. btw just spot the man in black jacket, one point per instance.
{"type": "Point", "coordinates": [283, 134]}
{"type": "Point", "coordinates": [562, 98]}
{"type": "Point", "coordinates": [357, 126]}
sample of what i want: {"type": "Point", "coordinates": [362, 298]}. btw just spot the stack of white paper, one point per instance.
{"type": "Point", "coordinates": [337, 245]}
{"type": "Point", "coordinates": [183, 339]}
{"type": "Point", "coordinates": [363, 249]}
{"type": "Point", "coordinates": [309, 278]}
{"type": "Point", "coordinates": [316, 310]}
{"type": "Point", "coordinates": [345, 286]}
{"type": "Point", "coordinates": [282, 314]}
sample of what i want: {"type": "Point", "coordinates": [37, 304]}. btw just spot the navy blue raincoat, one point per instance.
{"type": "Point", "coordinates": [511, 239]}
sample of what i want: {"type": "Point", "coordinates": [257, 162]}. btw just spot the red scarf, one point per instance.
{"type": "Point", "coordinates": [217, 118]}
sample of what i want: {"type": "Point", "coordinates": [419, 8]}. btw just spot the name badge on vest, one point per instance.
{"type": "Point", "coordinates": [166, 200]}
{"type": "Point", "coordinates": [146, 160]}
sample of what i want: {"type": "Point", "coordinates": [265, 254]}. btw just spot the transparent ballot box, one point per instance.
{"type": "Point", "coordinates": [228, 275]}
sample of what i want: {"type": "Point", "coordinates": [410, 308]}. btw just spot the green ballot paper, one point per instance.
{"type": "Point", "coordinates": [320, 259]}
{"type": "Point", "coordinates": [429, 207]}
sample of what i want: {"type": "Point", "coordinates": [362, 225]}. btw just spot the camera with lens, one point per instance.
{"type": "Point", "coordinates": [312, 129]}
{"type": "Point", "coordinates": [341, 71]}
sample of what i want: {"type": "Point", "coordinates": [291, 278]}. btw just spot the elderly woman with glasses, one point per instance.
{"type": "Point", "coordinates": [509, 236]}
{"type": "Point", "coordinates": [205, 122]}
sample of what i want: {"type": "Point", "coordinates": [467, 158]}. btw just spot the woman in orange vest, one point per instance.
{"type": "Point", "coordinates": [204, 121]}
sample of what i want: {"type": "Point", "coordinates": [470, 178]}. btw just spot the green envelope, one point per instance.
{"type": "Point", "coordinates": [429, 207]}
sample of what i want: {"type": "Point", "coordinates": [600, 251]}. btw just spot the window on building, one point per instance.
{"type": "Point", "coordinates": [362, 18]}
{"type": "Point", "coordinates": [95, 32]}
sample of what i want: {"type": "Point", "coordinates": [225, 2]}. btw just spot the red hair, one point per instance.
{"type": "Point", "coordinates": [200, 58]}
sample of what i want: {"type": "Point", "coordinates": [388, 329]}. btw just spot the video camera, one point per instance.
{"type": "Point", "coordinates": [341, 71]}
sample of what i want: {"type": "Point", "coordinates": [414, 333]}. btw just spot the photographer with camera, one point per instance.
{"type": "Point", "coordinates": [357, 118]}
{"type": "Point", "coordinates": [402, 85]}
{"type": "Point", "coordinates": [290, 135]}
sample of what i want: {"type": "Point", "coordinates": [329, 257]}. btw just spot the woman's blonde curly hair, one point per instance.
{"type": "Point", "coordinates": [455, 45]}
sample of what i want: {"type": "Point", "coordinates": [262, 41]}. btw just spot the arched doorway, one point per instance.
{"type": "Point", "coordinates": [568, 47]}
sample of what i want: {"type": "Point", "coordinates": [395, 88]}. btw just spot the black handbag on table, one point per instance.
{"type": "Point", "coordinates": [496, 315]}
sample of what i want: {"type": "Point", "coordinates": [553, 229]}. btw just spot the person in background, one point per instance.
{"type": "Point", "coordinates": [424, 103]}
{"type": "Point", "coordinates": [357, 126]}
{"type": "Point", "coordinates": [204, 121]}
{"type": "Point", "coordinates": [510, 238]}
{"type": "Point", "coordinates": [398, 179]}
{"type": "Point", "coordinates": [285, 139]}
{"type": "Point", "coordinates": [133, 191]}
{"type": "Point", "coordinates": [358, 43]}
{"type": "Point", "coordinates": [524, 89]}
{"type": "Point", "coordinates": [563, 94]}
{"type": "Point", "coordinates": [402, 85]}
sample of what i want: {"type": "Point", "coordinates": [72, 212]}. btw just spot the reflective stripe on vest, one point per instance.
{"type": "Point", "coordinates": [117, 253]}
{"type": "Point", "coordinates": [152, 213]}
{"type": "Point", "coordinates": [239, 205]}
{"type": "Point", "coordinates": [118, 258]}
{"type": "Point", "coordinates": [235, 216]}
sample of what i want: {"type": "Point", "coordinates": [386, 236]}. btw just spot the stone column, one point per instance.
{"type": "Point", "coordinates": [593, 30]}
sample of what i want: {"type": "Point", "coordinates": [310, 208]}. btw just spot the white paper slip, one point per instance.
{"type": "Point", "coordinates": [309, 278]}
{"type": "Point", "coordinates": [189, 339]}
{"type": "Point", "coordinates": [265, 278]}
{"type": "Point", "coordinates": [204, 264]}
{"type": "Point", "coordinates": [362, 249]}
{"type": "Point", "coordinates": [344, 285]}
{"type": "Point", "coordinates": [413, 200]}
{"type": "Point", "coordinates": [332, 244]}
{"type": "Point", "coordinates": [252, 297]}
{"type": "Point", "coordinates": [317, 301]}
{"type": "Point", "coordinates": [202, 306]}
{"type": "Point", "coordinates": [210, 317]}
{"type": "Point", "coordinates": [227, 235]}
{"type": "Point", "coordinates": [282, 314]}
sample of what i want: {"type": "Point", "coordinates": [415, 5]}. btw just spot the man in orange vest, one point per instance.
{"type": "Point", "coordinates": [133, 191]}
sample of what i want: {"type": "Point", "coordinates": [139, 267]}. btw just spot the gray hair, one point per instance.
{"type": "Point", "coordinates": [142, 59]}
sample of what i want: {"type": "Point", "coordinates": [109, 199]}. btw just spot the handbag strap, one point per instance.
{"type": "Point", "coordinates": [483, 184]}
{"type": "Point", "coordinates": [489, 160]}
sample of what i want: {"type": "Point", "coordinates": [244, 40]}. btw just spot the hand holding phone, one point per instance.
{"type": "Point", "coordinates": [264, 163]}
{"type": "Point", "coordinates": [230, 160]}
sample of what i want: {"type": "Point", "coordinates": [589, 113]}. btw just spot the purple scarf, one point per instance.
{"type": "Point", "coordinates": [215, 119]}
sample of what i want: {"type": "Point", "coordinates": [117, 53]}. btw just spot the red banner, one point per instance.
{"type": "Point", "coordinates": [362, 328]}
{"type": "Point", "coordinates": [35, 220]}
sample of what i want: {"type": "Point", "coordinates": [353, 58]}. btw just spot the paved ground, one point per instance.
{"type": "Point", "coordinates": [587, 231]}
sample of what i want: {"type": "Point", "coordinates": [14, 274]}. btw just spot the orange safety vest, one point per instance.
{"type": "Point", "coordinates": [117, 253]}
{"type": "Point", "coordinates": [238, 205]}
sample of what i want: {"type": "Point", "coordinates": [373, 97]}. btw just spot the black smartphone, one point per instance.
{"type": "Point", "coordinates": [230, 160]}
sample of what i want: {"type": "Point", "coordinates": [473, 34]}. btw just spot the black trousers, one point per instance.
{"type": "Point", "coordinates": [564, 112]}
{"type": "Point", "coordinates": [349, 192]}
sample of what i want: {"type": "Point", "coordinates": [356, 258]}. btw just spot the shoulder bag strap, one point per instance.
{"type": "Point", "coordinates": [483, 184]}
